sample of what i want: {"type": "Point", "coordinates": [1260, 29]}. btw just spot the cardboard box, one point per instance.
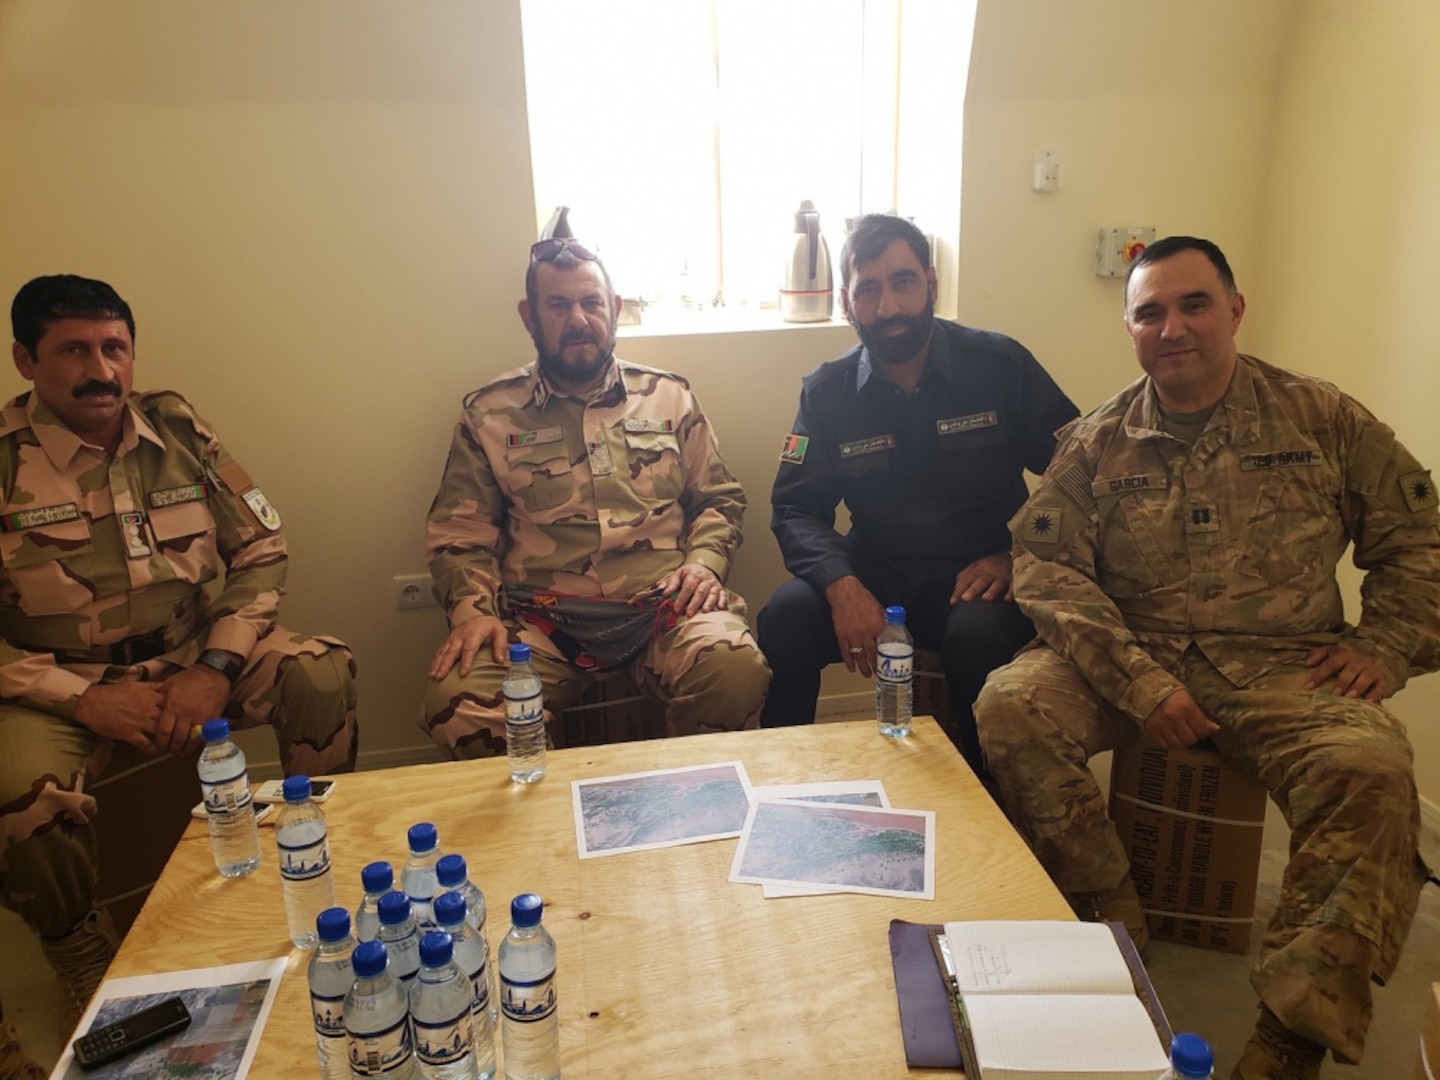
{"type": "Point", "coordinates": [1427, 1065]}
{"type": "Point", "coordinates": [1193, 827]}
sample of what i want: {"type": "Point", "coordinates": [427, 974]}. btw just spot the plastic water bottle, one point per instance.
{"type": "Point", "coordinates": [530, 1025]}
{"type": "Point", "coordinates": [417, 877]}
{"type": "Point", "coordinates": [524, 718]}
{"type": "Point", "coordinates": [1190, 1059]}
{"type": "Point", "coordinates": [454, 877]}
{"type": "Point", "coordinates": [331, 976]}
{"type": "Point", "coordinates": [377, 1018]}
{"type": "Point", "coordinates": [231, 814]}
{"type": "Point", "coordinates": [470, 955]}
{"type": "Point", "coordinates": [301, 839]}
{"type": "Point", "coordinates": [398, 933]}
{"type": "Point", "coordinates": [440, 1013]}
{"type": "Point", "coordinates": [894, 675]}
{"type": "Point", "coordinates": [376, 879]}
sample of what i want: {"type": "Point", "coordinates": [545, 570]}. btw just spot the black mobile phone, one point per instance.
{"type": "Point", "coordinates": [131, 1033]}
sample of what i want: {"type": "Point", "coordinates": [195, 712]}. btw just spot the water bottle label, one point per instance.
{"type": "Point", "coordinates": [527, 1002]}
{"type": "Point", "coordinates": [228, 795]}
{"type": "Point", "coordinates": [524, 710]}
{"type": "Point", "coordinates": [302, 862]}
{"type": "Point", "coordinates": [329, 1015]}
{"type": "Point", "coordinates": [443, 1043]}
{"type": "Point", "coordinates": [897, 667]}
{"type": "Point", "coordinates": [375, 1053]}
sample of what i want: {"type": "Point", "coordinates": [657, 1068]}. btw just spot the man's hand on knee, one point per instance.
{"type": "Point", "coordinates": [858, 619]}
{"type": "Point", "coordinates": [192, 696]}
{"type": "Point", "coordinates": [126, 712]}
{"type": "Point", "coordinates": [1178, 722]}
{"type": "Point", "coordinates": [696, 589]}
{"type": "Point", "coordinates": [463, 642]}
{"type": "Point", "coordinates": [1355, 676]}
{"type": "Point", "coordinates": [987, 578]}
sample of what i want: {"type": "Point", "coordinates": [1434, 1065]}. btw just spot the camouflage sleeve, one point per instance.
{"type": "Point", "coordinates": [248, 538]}
{"type": "Point", "coordinates": [37, 681]}
{"type": "Point", "coordinates": [713, 501]}
{"type": "Point", "coordinates": [462, 531]}
{"type": "Point", "coordinates": [1056, 542]}
{"type": "Point", "coordinates": [1390, 511]}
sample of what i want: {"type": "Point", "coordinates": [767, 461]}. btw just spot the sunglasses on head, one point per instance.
{"type": "Point", "coordinates": [549, 250]}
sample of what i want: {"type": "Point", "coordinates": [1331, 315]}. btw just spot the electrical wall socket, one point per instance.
{"type": "Point", "coordinates": [412, 591]}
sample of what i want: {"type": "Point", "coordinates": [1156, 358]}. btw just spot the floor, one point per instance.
{"type": "Point", "coordinates": [1202, 991]}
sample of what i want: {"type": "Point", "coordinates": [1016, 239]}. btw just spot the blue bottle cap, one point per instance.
{"type": "Point", "coordinates": [1190, 1055]}
{"type": "Point", "coordinates": [369, 959]}
{"type": "Point", "coordinates": [519, 654]}
{"type": "Point", "coordinates": [296, 788]}
{"type": "Point", "coordinates": [394, 907]}
{"type": "Point", "coordinates": [333, 924]}
{"type": "Point", "coordinates": [895, 614]}
{"type": "Point", "coordinates": [526, 910]}
{"type": "Point", "coordinates": [377, 877]}
{"type": "Point", "coordinates": [436, 948]}
{"type": "Point", "coordinates": [215, 730]}
{"type": "Point", "coordinates": [450, 909]}
{"type": "Point", "coordinates": [422, 837]}
{"type": "Point", "coordinates": [451, 870]}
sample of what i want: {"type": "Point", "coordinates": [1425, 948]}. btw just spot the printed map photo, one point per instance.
{"type": "Point", "coordinates": [860, 849]}
{"type": "Point", "coordinates": [227, 1006]}
{"type": "Point", "coordinates": [861, 792]}
{"type": "Point", "coordinates": [660, 809]}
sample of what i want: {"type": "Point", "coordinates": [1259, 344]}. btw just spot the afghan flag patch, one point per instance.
{"type": "Point", "coordinates": [794, 449]}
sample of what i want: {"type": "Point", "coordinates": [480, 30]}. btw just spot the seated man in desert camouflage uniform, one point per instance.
{"type": "Point", "coordinates": [118, 510]}
{"type": "Point", "coordinates": [585, 510]}
{"type": "Point", "coordinates": [1178, 560]}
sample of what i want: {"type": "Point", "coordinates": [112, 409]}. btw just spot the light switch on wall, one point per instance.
{"type": "Point", "coordinates": [1047, 169]}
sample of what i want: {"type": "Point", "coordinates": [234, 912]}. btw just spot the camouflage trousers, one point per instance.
{"type": "Point", "coordinates": [303, 688]}
{"type": "Point", "coordinates": [706, 669]}
{"type": "Point", "coordinates": [1339, 769]}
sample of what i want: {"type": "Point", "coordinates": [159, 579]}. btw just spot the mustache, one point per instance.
{"type": "Point", "coordinates": [95, 386]}
{"type": "Point", "coordinates": [579, 337]}
{"type": "Point", "coordinates": [906, 322]}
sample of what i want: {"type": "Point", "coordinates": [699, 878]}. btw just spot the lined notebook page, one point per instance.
{"type": "Point", "coordinates": [1003, 957]}
{"type": "Point", "coordinates": [1076, 1036]}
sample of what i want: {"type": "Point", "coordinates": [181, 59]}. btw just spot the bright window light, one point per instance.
{"type": "Point", "coordinates": [683, 134]}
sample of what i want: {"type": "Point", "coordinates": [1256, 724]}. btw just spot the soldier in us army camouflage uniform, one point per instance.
{"type": "Point", "coordinates": [1178, 560]}
{"type": "Point", "coordinates": [119, 509]}
{"type": "Point", "coordinates": [591, 480]}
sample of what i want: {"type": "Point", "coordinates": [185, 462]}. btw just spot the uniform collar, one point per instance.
{"type": "Point", "coordinates": [61, 444]}
{"type": "Point", "coordinates": [1239, 408]}
{"type": "Point", "coordinates": [940, 362]}
{"type": "Point", "coordinates": [541, 391]}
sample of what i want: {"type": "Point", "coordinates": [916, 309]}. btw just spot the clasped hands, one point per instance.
{"type": "Point", "coordinates": [154, 717]}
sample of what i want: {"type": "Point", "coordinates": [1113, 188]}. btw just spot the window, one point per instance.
{"type": "Point", "coordinates": [683, 134]}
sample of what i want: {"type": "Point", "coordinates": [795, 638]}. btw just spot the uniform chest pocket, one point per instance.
{"type": "Point", "coordinates": [976, 463]}
{"type": "Point", "coordinates": [653, 465]}
{"type": "Point", "coordinates": [1293, 519]}
{"type": "Point", "coordinates": [538, 476]}
{"type": "Point", "coordinates": [47, 564]}
{"type": "Point", "coordinates": [867, 484]}
{"type": "Point", "coordinates": [173, 525]}
{"type": "Point", "coordinates": [1134, 559]}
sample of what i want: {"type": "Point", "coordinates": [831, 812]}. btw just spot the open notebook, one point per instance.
{"type": "Point", "coordinates": [1048, 1001]}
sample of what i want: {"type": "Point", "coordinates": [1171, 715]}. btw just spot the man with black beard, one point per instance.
{"type": "Point", "coordinates": [585, 511]}
{"type": "Point", "coordinates": [924, 431]}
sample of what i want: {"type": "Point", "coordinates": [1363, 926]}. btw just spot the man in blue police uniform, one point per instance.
{"type": "Point", "coordinates": [924, 431]}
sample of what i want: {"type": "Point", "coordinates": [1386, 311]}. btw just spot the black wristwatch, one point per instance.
{"type": "Point", "coordinates": [228, 664]}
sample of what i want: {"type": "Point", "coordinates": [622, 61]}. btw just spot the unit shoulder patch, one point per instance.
{"type": "Point", "coordinates": [261, 508]}
{"type": "Point", "coordinates": [1418, 490]}
{"type": "Point", "coordinates": [792, 450]}
{"type": "Point", "coordinates": [1041, 525]}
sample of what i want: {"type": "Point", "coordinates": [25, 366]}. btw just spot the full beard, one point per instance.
{"type": "Point", "coordinates": [887, 349]}
{"type": "Point", "coordinates": [580, 371]}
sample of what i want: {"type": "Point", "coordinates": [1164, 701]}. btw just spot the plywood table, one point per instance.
{"type": "Point", "coordinates": [666, 969]}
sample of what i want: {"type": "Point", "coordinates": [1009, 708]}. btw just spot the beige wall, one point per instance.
{"type": "Point", "coordinates": [320, 212]}
{"type": "Point", "coordinates": [1351, 238]}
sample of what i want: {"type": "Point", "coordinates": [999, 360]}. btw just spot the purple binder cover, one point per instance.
{"type": "Point", "coordinates": [924, 1004]}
